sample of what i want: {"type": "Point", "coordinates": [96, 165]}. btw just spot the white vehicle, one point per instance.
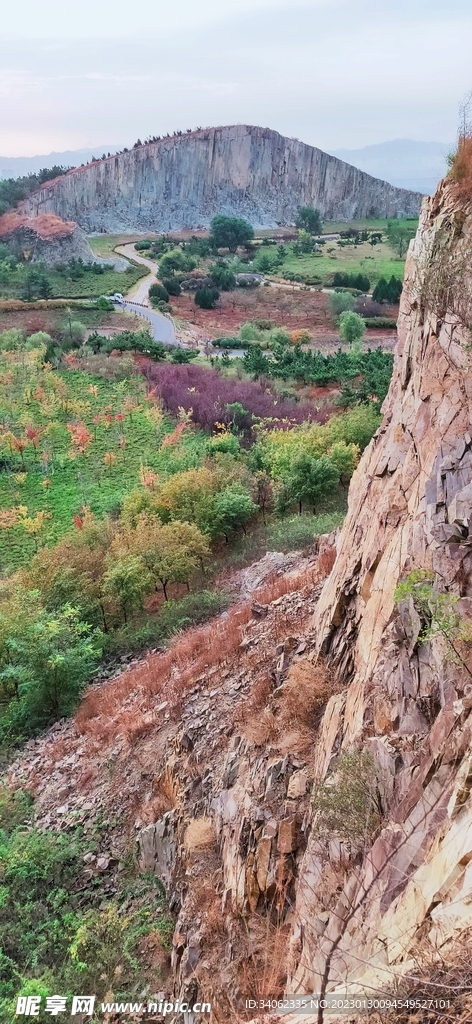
{"type": "Point", "coordinates": [117, 297]}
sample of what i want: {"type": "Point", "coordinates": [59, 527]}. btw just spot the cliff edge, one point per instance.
{"type": "Point", "coordinates": [183, 181]}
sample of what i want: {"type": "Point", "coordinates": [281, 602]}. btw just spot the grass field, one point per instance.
{"type": "Point", "coordinates": [104, 245]}
{"type": "Point", "coordinates": [90, 285]}
{"type": "Point", "coordinates": [375, 263]}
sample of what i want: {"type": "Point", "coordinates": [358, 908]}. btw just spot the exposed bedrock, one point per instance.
{"type": "Point", "coordinates": [183, 181]}
{"type": "Point", "coordinates": [408, 703]}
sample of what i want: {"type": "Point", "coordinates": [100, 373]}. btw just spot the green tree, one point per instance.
{"type": "Point", "coordinates": [233, 507]}
{"type": "Point", "coordinates": [311, 479]}
{"type": "Point", "coordinates": [222, 277]}
{"type": "Point", "coordinates": [45, 658]}
{"type": "Point", "coordinates": [206, 298]}
{"type": "Point", "coordinates": [171, 552]}
{"type": "Point", "coordinates": [158, 293]}
{"type": "Point", "coordinates": [340, 302]}
{"type": "Point", "coordinates": [255, 362]}
{"type": "Point", "coordinates": [171, 286]}
{"type": "Point", "coordinates": [229, 232]}
{"type": "Point", "coordinates": [351, 328]}
{"type": "Point", "coordinates": [127, 581]}
{"type": "Point", "coordinates": [399, 237]}
{"type": "Point", "coordinates": [309, 220]}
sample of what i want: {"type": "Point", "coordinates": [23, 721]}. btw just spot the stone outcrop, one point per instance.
{"type": "Point", "coordinates": [183, 181]}
{"type": "Point", "coordinates": [48, 239]}
{"type": "Point", "coordinates": [408, 703]}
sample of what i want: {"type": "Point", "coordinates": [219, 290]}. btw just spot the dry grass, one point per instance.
{"type": "Point", "coordinates": [199, 835]}
{"type": "Point", "coordinates": [305, 693]}
{"type": "Point", "coordinates": [263, 972]}
{"type": "Point", "coordinates": [461, 169]}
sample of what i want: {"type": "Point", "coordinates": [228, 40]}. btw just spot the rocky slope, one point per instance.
{"type": "Point", "coordinates": [48, 239]}
{"type": "Point", "coordinates": [225, 755]}
{"type": "Point", "coordinates": [183, 181]}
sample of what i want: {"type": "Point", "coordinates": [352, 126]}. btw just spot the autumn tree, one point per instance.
{"type": "Point", "coordinates": [170, 552]}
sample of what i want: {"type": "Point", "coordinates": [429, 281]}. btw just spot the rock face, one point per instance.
{"type": "Point", "coordinates": [410, 507]}
{"type": "Point", "coordinates": [183, 181]}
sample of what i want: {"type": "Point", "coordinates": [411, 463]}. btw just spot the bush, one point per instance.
{"type": "Point", "coordinates": [158, 293]}
{"type": "Point", "coordinates": [249, 332]}
{"type": "Point", "coordinates": [347, 804]}
{"type": "Point", "coordinates": [171, 286]}
{"type": "Point", "coordinates": [300, 531]}
{"type": "Point", "coordinates": [380, 321]}
{"type": "Point", "coordinates": [351, 328]}
{"type": "Point", "coordinates": [142, 246]}
{"type": "Point", "coordinates": [191, 610]}
{"type": "Point", "coordinates": [359, 281]}
{"type": "Point", "coordinates": [340, 302]}
{"type": "Point", "coordinates": [228, 343]}
{"type": "Point", "coordinates": [206, 298]}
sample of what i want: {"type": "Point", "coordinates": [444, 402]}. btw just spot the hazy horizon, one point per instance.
{"type": "Point", "coordinates": [332, 73]}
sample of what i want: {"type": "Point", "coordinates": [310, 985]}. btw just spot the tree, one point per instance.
{"type": "Point", "coordinates": [158, 293]}
{"type": "Point", "coordinates": [309, 220]}
{"type": "Point", "coordinates": [171, 286]}
{"type": "Point", "coordinates": [311, 479]}
{"type": "Point", "coordinates": [339, 302]}
{"type": "Point", "coordinates": [233, 507]}
{"type": "Point", "coordinates": [351, 328]}
{"type": "Point", "coordinates": [171, 552]}
{"type": "Point", "coordinates": [255, 362]}
{"type": "Point", "coordinates": [229, 232]}
{"type": "Point", "coordinates": [45, 658]}
{"type": "Point", "coordinates": [127, 580]}
{"type": "Point", "coordinates": [399, 237]}
{"type": "Point", "coordinates": [206, 298]}
{"type": "Point", "coordinates": [188, 497]}
{"type": "Point", "coordinates": [345, 458]}
{"type": "Point", "coordinates": [222, 277]}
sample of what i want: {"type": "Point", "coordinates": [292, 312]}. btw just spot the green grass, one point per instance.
{"type": "Point", "coordinates": [85, 480]}
{"type": "Point", "coordinates": [105, 245]}
{"type": "Point", "coordinates": [376, 263]}
{"type": "Point", "coordinates": [332, 226]}
{"type": "Point", "coordinates": [12, 282]}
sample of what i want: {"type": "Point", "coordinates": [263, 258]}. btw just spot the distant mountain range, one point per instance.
{"type": "Point", "coordinates": [404, 163]}
{"type": "Point", "coordinates": [17, 166]}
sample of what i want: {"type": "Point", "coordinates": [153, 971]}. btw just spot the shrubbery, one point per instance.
{"type": "Point", "coordinates": [359, 281]}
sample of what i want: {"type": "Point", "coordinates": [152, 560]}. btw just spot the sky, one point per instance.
{"type": "Point", "coordinates": [333, 73]}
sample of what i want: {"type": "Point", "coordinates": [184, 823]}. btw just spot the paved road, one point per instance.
{"type": "Point", "coordinates": [137, 299]}
{"type": "Point", "coordinates": [162, 326]}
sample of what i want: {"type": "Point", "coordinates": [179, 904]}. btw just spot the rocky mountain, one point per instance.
{"type": "Point", "coordinates": [183, 181]}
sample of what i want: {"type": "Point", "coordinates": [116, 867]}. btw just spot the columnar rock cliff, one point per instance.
{"type": "Point", "coordinates": [183, 181]}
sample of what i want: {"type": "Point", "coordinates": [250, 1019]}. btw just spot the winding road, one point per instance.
{"type": "Point", "coordinates": [137, 299]}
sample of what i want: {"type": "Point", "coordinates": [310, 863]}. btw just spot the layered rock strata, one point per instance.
{"type": "Point", "coordinates": [183, 181]}
{"type": "Point", "coordinates": [408, 703]}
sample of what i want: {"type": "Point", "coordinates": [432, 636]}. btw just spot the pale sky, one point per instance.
{"type": "Point", "coordinates": [333, 73]}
